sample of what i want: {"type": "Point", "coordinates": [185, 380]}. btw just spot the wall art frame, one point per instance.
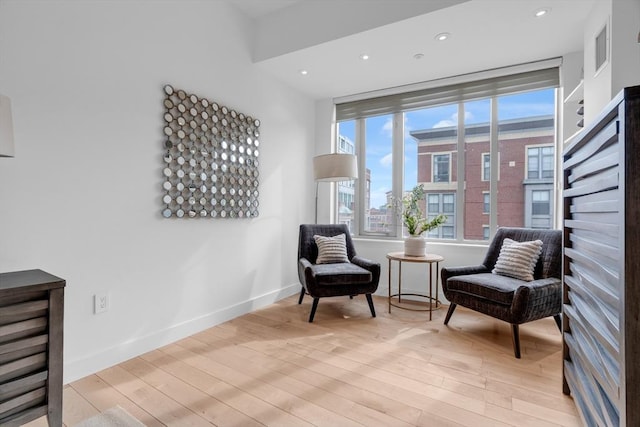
{"type": "Point", "coordinates": [210, 162]}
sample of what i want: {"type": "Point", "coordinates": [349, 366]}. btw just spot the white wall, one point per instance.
{"type": "Point", "coordinates": [623, 67]}
{"type": "Point", "coordinates": [571, 73]}
{"type": "Point", "coordinates": [597, 87]}
{"type": "Point", "coordinates": [82, 197]}
{"type": "Point", "coordinates": [625, 49]}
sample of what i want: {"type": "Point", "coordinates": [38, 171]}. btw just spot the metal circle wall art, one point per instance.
{"type": "Point", "coordinates": [209, 166]}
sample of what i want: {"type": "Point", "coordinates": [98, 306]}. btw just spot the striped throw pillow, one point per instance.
{"type": "Point", "coordinates": [331, 250]}
{"type": "Point", "coordinates": [518, 259]}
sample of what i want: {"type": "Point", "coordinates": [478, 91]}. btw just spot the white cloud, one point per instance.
{"type": "Point", "coordinates": [453, 120]}
{"type": "Point", "coordinates": [386, 160]}
{"type": "Point", "coordinates": [445, 123]}
{"type": "Point", "coordinates": [387, 128]}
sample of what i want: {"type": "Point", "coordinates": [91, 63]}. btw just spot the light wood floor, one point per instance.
{"type": "Point", "coordinates": [271, 367]}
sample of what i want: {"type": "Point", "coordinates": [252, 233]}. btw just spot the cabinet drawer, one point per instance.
{"type": "Point", "coordinates": [27, 328]}
{"type": "Point", "coordinates": [23, 402]}
{"type": "Point", "coordinates": [22, 311]}
{"type": "Point", "coordinates": [19, 368]}
{"type": "Point", "coordinates": [18, 349]}
{"type": "Point", "coordinates": [20, 386]}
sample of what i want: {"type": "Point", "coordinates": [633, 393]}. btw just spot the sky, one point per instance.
{"type": "Point", "coordinates": [378, 132]}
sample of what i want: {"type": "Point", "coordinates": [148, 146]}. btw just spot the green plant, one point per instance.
{"type": "Point", "coordinates": [412, 216]}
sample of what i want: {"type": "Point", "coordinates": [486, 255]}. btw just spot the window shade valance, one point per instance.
{"type": "Point", "coordinates": [448, 94]}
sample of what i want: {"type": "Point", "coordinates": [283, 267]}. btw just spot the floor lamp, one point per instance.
{"type": "Point", "coordinates": [334, 167]}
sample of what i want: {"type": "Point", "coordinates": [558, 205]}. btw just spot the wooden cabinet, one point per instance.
{"type": "Point", "coordinates": [601, 327]}
{"type": "Point", "coordinates": [31, 318]}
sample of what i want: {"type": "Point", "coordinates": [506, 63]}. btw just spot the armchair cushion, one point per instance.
{"type": "Point", "coordinates": [331, 249]}
{"type": "Point", "coordinates": [339, 274]}
{"type": "Point", "coordinates": [518, 259]}
{"type": "Point", "coordinates": [488, 286]}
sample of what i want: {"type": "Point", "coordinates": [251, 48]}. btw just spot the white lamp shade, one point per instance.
{"type": "Point", "coordinates": [335, 167]}
{"type": "Point", "coordinates": [6, 128]}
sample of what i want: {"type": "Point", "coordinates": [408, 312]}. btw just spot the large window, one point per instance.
{"type": "Point", "coordinates": [484, 157]}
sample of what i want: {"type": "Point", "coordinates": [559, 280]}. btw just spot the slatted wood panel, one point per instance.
{"type": "Point", "coordinates": [597, 238]}
{"type": "Point", "coordinates": [23, 354]}
{"type": "Point", "coordinates": [272, 367]}
{"type": "Point", "coordinates": [31, 304]}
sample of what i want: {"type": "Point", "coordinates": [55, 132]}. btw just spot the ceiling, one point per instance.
{"type": "Point", "coordinates": [257, 8]}
{"type": "Point", "coordinates": [485, 34]}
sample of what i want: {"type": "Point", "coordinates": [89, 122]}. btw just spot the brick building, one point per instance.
{"type": "Point", "coordinates": [525, 175]}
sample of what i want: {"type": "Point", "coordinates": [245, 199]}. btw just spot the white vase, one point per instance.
{"type": "Point", "coordinates": [415, 246]}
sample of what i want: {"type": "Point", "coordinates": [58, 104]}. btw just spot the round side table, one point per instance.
{"type": "Point", "coordinates": [400, 257]}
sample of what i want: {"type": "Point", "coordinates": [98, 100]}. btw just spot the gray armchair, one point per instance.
{"type": "Point", "coordinates": [511, 300]}
{"type": "Point", "coordinates": [358, 276]}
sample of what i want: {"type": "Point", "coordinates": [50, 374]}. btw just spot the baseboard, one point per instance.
{"type": "Point", "coordinates": [79, 368]}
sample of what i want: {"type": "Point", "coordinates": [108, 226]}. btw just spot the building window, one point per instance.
{"type": "Point", "coordinates": [442, 203]}
{"type": "Point", "coordinates": [448, 204]}
{"type": "Point", "coordinates": [346, 189]}
{"type": "Point", "coordinates": [540, 202]}
{"type": "Point", "coordinates": [447, 232]}
{"type": "Point", "coordinates": [486, 166]}
{"type": "Point", "coordinates": [485, 232]}
{"type": "Point", "coordinates": [540, 162]}
{"type": "Point", "coordinates": [486, 203]}
{"type": "Point", "coordinates": [441, 167]}
{"type": "Point", "coordinates": [434, 204]}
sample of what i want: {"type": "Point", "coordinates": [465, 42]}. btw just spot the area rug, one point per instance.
{"type": "Point", "coordinates": [113, 417]}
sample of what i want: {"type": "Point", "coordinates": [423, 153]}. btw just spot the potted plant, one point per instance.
{"type": "Point", "coordinates": [415, 222]}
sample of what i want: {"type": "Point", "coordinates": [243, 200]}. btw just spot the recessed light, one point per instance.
{"type": "Point", "coordinates": [418, 56]}
{"type": "Point", "coordinates": [364, 56]}
{"type": "Point", "coordinates": [442, 36]}
{"type": "Point", "coordinates": [542, 12]}
{"type": "Point", "coordinates": [304, 72]}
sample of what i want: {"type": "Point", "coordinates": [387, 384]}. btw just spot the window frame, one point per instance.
{"type": "Point", "coordinates": [485, 195]}
{"type": "Point", "coordinates": [484, 169]}
{"type": "Point", "coordinates": [547, 202]}
{"type": "Point", "coordinates": [540, 162]}
{"type": "Point", "coordinates": [433, 167]}
{"type": "Point", "coordinates": [452, 217]}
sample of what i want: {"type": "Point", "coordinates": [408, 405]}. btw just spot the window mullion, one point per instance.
{"type": "Point", "coordinates": [361, 183]}
{"type": "Point", "coordinates": [398, 166]}
{"type": "Point", "coordinates": [495, 167]}
{"type": "Point", "coordinates": [460, 172]}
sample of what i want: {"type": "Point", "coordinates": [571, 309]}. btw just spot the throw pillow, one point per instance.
{"type": "Point", "coordinates": [331, 249]}
{"type": "Point", "coordinates": [518, 259]}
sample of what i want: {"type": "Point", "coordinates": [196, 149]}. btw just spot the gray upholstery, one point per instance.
{"type": "Point", "coordinates": [511, 300]}
{"type": "Point", "coordinates": [359, 276]}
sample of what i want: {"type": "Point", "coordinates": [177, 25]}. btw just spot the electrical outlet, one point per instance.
{"type": "Point", "coordinates": [100, 302]}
